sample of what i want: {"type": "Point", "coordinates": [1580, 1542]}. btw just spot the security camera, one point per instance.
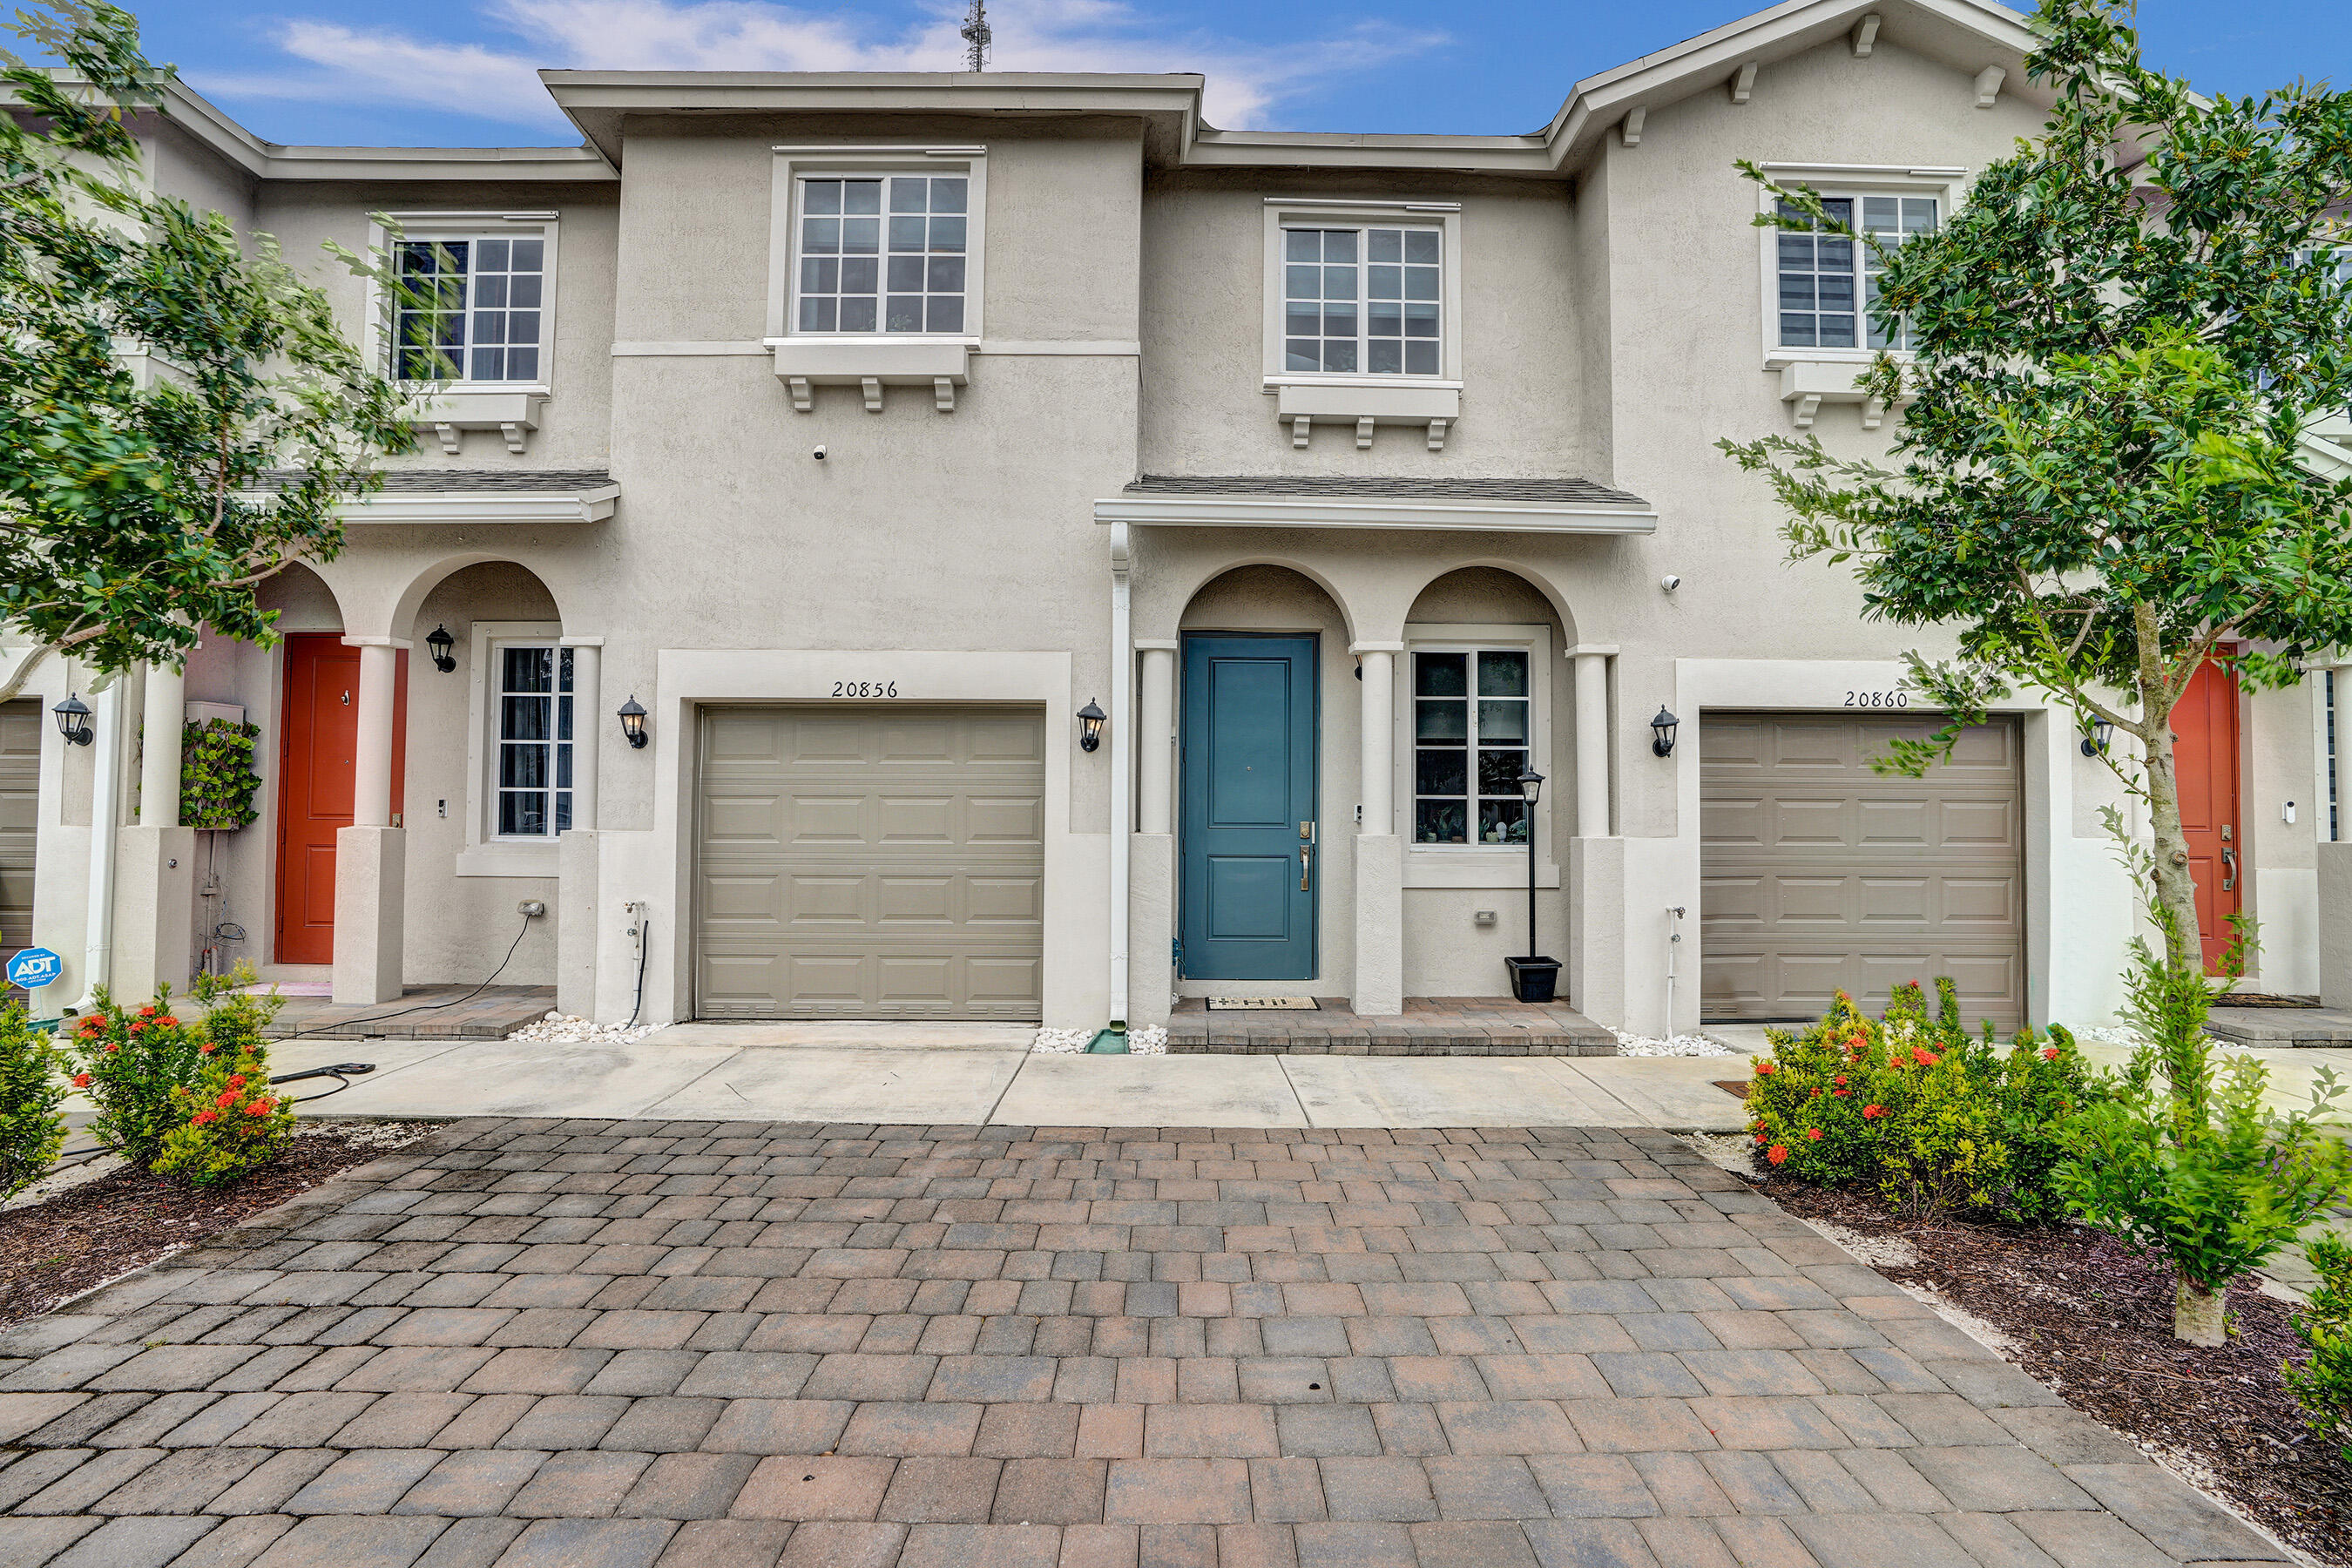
{"type": "Point", "coordinates": [1670, 582]}
{"type": "Point", "coordinates": [818, 454]}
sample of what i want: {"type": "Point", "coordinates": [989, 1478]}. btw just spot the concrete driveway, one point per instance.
{"type": "Point", "coordinates": [565, 1344]}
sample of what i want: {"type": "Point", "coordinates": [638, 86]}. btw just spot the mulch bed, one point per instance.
{"type": "Point", "coordinates": [2094, 1323]}
{"type": "Point", "coordinates": [55, 1249]}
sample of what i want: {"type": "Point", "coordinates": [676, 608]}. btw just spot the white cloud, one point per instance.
{"type": "Point", "coordinates": [331, 62]}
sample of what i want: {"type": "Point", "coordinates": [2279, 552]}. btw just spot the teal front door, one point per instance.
{"type": "Point", "coordinates": [1250, 833]}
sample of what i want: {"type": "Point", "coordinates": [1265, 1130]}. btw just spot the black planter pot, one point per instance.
{"type": "Point", "coordinates": [1534, 979]}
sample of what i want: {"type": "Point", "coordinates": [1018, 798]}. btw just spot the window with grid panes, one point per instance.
{"type": "Point", "coordinates": [1472, 725]}
{"type": "Point", "coordinates": [883, 254]}
{"type": "Point", "coordinates": [472, 310]}
{"type": "Point", "coordinates": [534, 741]}
{"type": "Point", "coordinates": [1363, 301]}
{"type": "Point", "coordinates": [1829, 283]}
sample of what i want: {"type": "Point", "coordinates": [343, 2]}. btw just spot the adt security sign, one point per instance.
{"type": "Point", "coordinates": [35, 967]}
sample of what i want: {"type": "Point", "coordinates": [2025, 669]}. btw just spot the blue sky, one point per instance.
{"type": "Point", "coordinates": [459, 74]}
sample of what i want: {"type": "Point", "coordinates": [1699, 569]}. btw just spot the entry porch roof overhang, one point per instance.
{"type": "Point", "coordinates": [1373, 501]}
{"type": "Point", "coordinates": [481, 495]}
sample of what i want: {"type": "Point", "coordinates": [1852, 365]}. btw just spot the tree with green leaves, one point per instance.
{"type": "Point", "coordinates": [2115, 347]}
{"type": "Point", "coordinates": [152, 368]}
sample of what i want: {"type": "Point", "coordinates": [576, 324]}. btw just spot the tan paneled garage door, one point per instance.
{"type": "Point", "coordinates": [1819, 875]}
{"type": "Point", "coordinates": [20, 794]}
{"type": "Point", "coordinates": [883, 862]}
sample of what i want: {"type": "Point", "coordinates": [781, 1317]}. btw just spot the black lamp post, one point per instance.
{"type": "Point", "coordinates": [1534, 978]}
{"type": "Point", "coordinates": [1090, 723]}
{"type": "Point", "coordinates": [73, 720]}
{"type": "Point", "coordinates": [441, 643]}
{"type": "Point", "coordinates": [633, 723]}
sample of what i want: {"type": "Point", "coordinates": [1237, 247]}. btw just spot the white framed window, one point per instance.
{"type": "Point", "coordinates": [481, 305]}
{"type": "Point", "coordinates": [1827, 281]}
{"type": "Point", "coordinates": [531, 715]}
{"type": "Point", "coordinates": [1362, 293]}
{"type": "Point", "coordinates": [877, 243]}
{"type": "Point", "coordinates": [1473, 714]}
{"type": "Point", "coordinates": [1817, 288]}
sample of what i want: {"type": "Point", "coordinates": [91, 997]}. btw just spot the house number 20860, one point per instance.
{"type": "Point", "coordinates": [1878, 699]}
{"type": "Point", "coordinates": [866, 689]}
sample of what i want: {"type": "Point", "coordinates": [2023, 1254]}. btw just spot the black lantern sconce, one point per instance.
{"type": "Point", "coordinates": [2094, 743]}
{"type": "Point", "coordinates": [1661, 733]}
{"type": "Point", "coordinates": [442, 644]}
{"type": "Point", "coordinates": [73, 720]}
{"type": "Point", "coordinates": [1090, 723]}
{"type": "Point", "coordinates": [633, 723]}
{"type": "Point", "coordinates": [1532, 784]}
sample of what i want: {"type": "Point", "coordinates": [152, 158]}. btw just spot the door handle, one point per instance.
{"type": "Point", "coordinates": [2229, 869]}
{"type": "Point", "coordinates": [1306, 853]}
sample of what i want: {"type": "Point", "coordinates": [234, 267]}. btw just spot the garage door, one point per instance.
{"type": "Point", "coordinates": [870, 863]}
{"type": "Point", "coordinates": [20, 794]}
{"type": "Point", "coordinates": [1819, 875]}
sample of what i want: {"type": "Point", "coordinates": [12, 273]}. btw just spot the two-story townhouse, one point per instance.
{"type": "Point", "coordinates": [996, 547]}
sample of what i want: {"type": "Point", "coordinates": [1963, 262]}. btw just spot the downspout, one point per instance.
{"type": "Point", "coordinates": [1122, 768]}
{"type": "Point", "coordinates": [105, 805]}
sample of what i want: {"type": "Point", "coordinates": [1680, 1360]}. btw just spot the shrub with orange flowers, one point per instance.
{"type": "Point", "coordinates": [231, 1120]}
{"type": "Point", "coordinates": [1915, 1108]}
{"type": "Point", "coordinates": [131, 1059]}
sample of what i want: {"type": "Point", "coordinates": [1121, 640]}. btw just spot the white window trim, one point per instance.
{"type": "Point", "coordinates": [793, 164]}
{"type": "Point", "coordinates": [432, 225]}
{"type": "Point", "coordinates": [1478, 865]}
{"type": "Point", "coordinates": [1834, 179]}
{"type": "Point", "coordinates": [485, 854]}
{"type": "Point", "coordinates": [1303, 212]}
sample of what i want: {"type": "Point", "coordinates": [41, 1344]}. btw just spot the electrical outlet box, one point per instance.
{"type": "Point", "coordinates": [1484, 918]}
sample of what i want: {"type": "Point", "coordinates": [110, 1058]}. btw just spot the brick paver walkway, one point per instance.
{"type": "Point", "coordinates": [596, 1345]}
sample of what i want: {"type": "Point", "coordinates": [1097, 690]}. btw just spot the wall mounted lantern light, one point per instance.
{"type": "Point", "coordinates": [633, 723]}
{"type": "Point", "coordinates": [441, 643]}
{"type": "Point", "coordinates": [73, 720]}
{"type": "Point", "coordinates": [1090, 723]}
{"type": "Point", "coordinates": [2094, 743]}
{"type": "Point", "coordinates": [1661, 733]}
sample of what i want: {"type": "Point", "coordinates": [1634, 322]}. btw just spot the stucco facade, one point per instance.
{"type": "Point", "coordinates": [704, 506]}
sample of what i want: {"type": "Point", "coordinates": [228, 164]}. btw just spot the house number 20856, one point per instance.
{"type": "Point", "coordinates": [866, 689]}
{"type": "Point", "coordinates": [1878, 699]}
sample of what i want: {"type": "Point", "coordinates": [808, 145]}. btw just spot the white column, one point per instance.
{"type": "Point", "coordinates": [587, 725]}
{"type": "Point", "coordinates": [1591, 738]}
{"type": "Point", "coordinates": [159, 750]}
{"type": "Point", "coordinates": [1379, 988]}
{"type": "Point", "coordinates": [371, 751]}
{"type": "Point", "coordinates": [372, 855]}
{"type": "Point", "coordinates": [1155, 735]}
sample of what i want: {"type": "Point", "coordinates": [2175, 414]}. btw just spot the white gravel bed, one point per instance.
{"type": "Point", "coordinates": [563, 1029]}
{"type": "Point", "coordinates": [1145, 1042]}
{"type": "Point", "coordinates": [1675, 1046]}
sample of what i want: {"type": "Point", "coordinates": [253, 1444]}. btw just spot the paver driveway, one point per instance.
{"type": "Point", "coordinates": [623, 1343]}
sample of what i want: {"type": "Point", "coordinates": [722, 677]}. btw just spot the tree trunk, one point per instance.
{"type": "Point", "coordinates": [2199, 1314]}
{"type": "Point", "coordinates": [2176, 888]}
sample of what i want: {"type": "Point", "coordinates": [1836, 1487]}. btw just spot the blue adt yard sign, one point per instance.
{"type": "Point", "coordinates": [34, 968]}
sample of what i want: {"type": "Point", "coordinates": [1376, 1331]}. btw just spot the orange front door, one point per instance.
{"type": "Point", "coordinates": [2205, 757]}
{"type": "Point", "coordinates": [315, 777]}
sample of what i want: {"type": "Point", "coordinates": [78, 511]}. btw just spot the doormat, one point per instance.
{"type": "Point", "coordinates": [1263, 1004]}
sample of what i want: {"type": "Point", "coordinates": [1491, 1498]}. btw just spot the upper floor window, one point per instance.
{"type": "Point", "coordinates": [474, 309]}
{"type": "Point", "coordinates": [1828, 281]}
{"type": "Point", "coordinates": [1364, 300]}
{"type": "Point", "coordinates": [883, 254]}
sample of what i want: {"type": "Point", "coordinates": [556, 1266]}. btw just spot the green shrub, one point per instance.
{"type": "Point", "coordinates": [131, 1063]}
{"type": "Point", "coordinates": [2323, 1384]}
{"type": "Point", "coordinates": [231, 1123]}
{"type": "Point", "coordinates": [217, 781]}
{"type": "Point", "coordinates": [1914, 1108]}
{"type": "Point", "coordinates": [32, 1128]}
{"type": "Point", "coordinates": [2196, 1170]}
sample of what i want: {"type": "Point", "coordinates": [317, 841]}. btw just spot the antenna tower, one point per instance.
{"type": "Point", "coordinates": [976, 36]}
